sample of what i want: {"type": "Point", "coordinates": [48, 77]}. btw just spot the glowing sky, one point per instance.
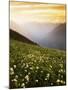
{"type": "Point", "coordinates": [37, 12]}
{"type": "Point", "coordinates": [37, 21]}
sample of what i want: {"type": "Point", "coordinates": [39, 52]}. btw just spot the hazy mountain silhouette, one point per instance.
{"type": "Point", "coordinates": [16, 36]}
{"type": "Point", "coordinates": [56, 38]}
{"type": "Point", "coordinates": [49, 35]}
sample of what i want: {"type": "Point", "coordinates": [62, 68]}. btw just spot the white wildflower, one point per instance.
{"type": "Point", "coordinates": [30, 55]}
{"type": "Point", "coordinates": [26, 82]}
{"type": "Point", "coordinates": [45, 78]}
{"type": "Point", "coordinates": [28, 73]}
{"type": "Point", "coordinates": [25, 70]}
{"type": "Point", "coordinates": [51, 83]}
{"type": "Point", "coordinates": [48, 74]}
{"type": "Point", "coordinates": [11, 73]}
{"type": "Point", "coordinates": [62, 81]}
{"type": "Point", "coordinates": [23, 85]}
{"type": "Point", "coordinates": [36, 71]}
{"type": "Point", "coordinates": [27, 77]}
{"type": "Point", "coordinates": [20, 74]}
{"type": "Point", "coordinates": [61, 76]}
{"type": "Point", "coordinates": [27, 65]}
{"type": "Point", "coordinates": [36, 80]}
{"type": "Point", "coordinates": [37, 67]}
{"type": "Point", "coordinates": [31, 68]}
{"type": "Point", "coordinates": [14, 66]}
{"type": "Point", "coordinates": [61, 65]}
{"type": "Point", "coordinates": [50, 66]}
{"type": "Point", "coordinates": [11, 69]}
{"type": "Point", "coordinates": [61, 70]}
{"type": "Point", "coordinates": [41, 71]}
{"type": "Point", "coordinates": [23, 64]}
{"type": "Point", "coordinates": [15, 80]}
{"type": "Point", "coordinates": [16, 76]}
{"type": "Point", "coordinates": [58, 81]}
{"type": "Point", "coordinates": [40, 58]}
{"type": "Point", "coordinates": [34, 60]}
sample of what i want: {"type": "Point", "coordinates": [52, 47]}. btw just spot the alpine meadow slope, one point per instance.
{"type": "Point", "coordinates": [34, 66]}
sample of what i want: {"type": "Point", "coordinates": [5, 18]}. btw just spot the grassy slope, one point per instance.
{"type": "Point", "coordinates": [33, 66]}
{"type": "Point", "coordinates": [16, 36]}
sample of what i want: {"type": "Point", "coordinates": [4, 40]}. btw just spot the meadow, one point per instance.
{"type": "Point", "coordinates": [34, 66]}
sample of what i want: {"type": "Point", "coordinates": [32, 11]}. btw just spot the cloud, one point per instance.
{"type": "Point", "coordinates": [38, 12]}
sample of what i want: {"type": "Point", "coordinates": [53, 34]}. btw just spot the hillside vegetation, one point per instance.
{"type": "Point", "coordinates": [16, 36]}
{"type": "Point", "coordinates": [34, 66]}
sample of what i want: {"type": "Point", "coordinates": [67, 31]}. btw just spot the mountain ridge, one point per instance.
{"type": "Point", "coordinates": [16, 36]}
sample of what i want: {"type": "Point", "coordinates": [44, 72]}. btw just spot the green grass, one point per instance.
{"type": "Point", "coordinates": [34, 66]}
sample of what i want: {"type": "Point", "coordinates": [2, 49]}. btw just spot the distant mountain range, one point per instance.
{"type": "Point", "coordinates": [56, 38]}
{"type": "Point", "coordinates": [49, 35]}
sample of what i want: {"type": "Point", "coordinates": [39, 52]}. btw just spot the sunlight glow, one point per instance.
{"type": "Point", "coordinates": [36, 12]}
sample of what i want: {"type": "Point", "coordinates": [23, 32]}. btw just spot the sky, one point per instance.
{"type": "Point", "coordinates": [37, 21]}
{"type": "Point", "coordinates": [37, 12]}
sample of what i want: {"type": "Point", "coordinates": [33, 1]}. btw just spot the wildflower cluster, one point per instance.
{"type": "Point", "coordinates": [33, 66]}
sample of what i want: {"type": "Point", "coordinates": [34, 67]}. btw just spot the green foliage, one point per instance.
{"type": "Point", "coordinates": [33, 66]}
